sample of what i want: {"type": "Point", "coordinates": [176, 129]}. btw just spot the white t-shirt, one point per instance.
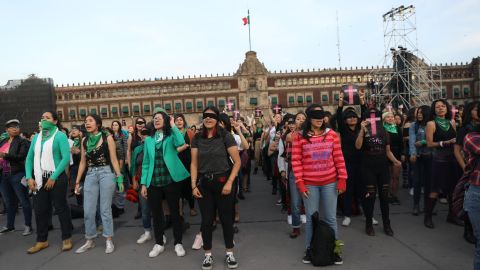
{"type": "Point", "coordinates": [238, 140]}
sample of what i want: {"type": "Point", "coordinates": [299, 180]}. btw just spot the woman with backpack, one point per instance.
{"type": "Point", "coordinates": [320, 172]}
{"type": "Point", "coordinates": [213, 151]}
{"type": "Point", "coordinates": [99, 158]}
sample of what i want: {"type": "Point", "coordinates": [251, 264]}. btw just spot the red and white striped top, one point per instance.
{"type": "Point", "coordinates": [318, 162]}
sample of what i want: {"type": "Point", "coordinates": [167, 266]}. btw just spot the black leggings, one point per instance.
{"type": "Point", "coordinates": [211, 202]}
{"type": "Point", "coordinates": [42, 202]}
{"type": "Point", "coordinates": [156, 195]}
{"type": "Point", "coordinates": [423, 172]}
{"type": "Point", "coordinates": [376, 177]}
{"type": "Point", "coordinates": [187, 192]}
{"type": "Point", "coordinates": [354, 187]}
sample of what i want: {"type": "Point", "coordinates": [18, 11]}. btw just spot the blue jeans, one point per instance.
{"type": "Point", "coordinates": [295, 201]}
{"type": "Point", "coordinates": [11, 186]}
{"type": "Point", "coordinates": [146, 215]}
{"type": "Point", "coordinates": [324, 200]}
{"type": "Point", "coordinates": [98, 182]}
{"type": "Point", "coordinates": [472, 207]}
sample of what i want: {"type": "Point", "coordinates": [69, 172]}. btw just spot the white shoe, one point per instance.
{"type": "Point", "coordinates": [346, 221]}
{"type": "Point", "coordinates": [110, 247]}
{"type": "Point", "coordinates": [156, 250]}
{"type": "Point", "coordinates": [179, 250]}
{"type": "Point", "coordinates": [28, 230]}
{"type": "Point", "coordinates": [374, 221]}
{"type": "Point", "coordinates": [144, 237]}
{"type": "Point", "coordinates": [411, 192]}
{"type": "Point", "coordinates": [88, 245]}
{"type": "Point", "coordinates": [198, 243]}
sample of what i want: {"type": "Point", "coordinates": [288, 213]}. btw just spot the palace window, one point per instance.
{"type": "Point", "coordinates": [253, 101]}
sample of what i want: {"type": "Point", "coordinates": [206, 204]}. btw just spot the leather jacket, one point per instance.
{"type": "Point", "coordinates": [17, 153]}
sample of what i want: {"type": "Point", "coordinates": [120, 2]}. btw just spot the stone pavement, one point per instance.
{"type": "Point", "coordinates": [262, 243]}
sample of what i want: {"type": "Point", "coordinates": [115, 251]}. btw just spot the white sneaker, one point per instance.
{"type": "Point", "coordinates": [179, 250]}
{"type": "Point", "coordinates": [156, 250]}
{"type": "Point", "coordinates": [144, 237]}
{"type": "Point", "coordinates": [198, 243]}
{"type": "Point", "coordinates": [110, 247]}
{"type": "Point", "coordinates": [411, 192]}
{"type": "Point", "coordinates": [28, 230]}
{"type": "Point", "coordinates": [346, 221]}
{"type": "Point", "coordinates": [88, 245]}
{"type": "Point", "coordinates": [374, 221]}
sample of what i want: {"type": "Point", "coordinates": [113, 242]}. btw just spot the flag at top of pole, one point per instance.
{"type": "Point", "coordinates": [246, 20]}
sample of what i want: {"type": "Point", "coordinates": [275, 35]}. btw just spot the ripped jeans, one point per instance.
{"type": "Point", "coordinates": [376, 179]}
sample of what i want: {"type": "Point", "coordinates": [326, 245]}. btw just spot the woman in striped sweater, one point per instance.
{"type": "Point", "coordinates": [319, 169]}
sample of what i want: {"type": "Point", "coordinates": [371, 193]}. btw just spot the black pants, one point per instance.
{"type": "Point", "coordinates": [43, 208]}
{"type": "Point", "coordinates": [187, 192]}
{"type": "Point", "coordinates": [211, 202]}
{"type": "Point", "coordinates": [354, 187]}
{"type": "Point", "coordinates": [423, 171]}
{"type": "Point", "coordinates": [376, 177]}
{"type": "Point", "coordinates": [156, 195]}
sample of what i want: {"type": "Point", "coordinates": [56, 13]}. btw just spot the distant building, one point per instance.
{"type": "Point", "coordinates": [26, 100]}
{"type": "Point", "coordinates": [250, 87]}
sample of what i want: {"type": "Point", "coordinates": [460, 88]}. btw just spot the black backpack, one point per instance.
{"type": "Point", "coordinates": [322, 246]}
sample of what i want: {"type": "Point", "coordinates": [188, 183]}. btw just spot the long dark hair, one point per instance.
{"type": "Point", "coordinates": [433, 114]}
{"type": "Point", "coordinates": [425, 110]}
{"type": "Point", "coordinates": [167, 129]}
{"type": "Point", "coordinates": [120, 133]}
{"type": "Point", "coordinates": [218, 130]}
{"type": "Point", "coordinates": [307, 125]}
{"type": "Point", "coordinates": [411, 115]}
{"type": "Point", "coordinates": [135, 136]}
{"type": "Point", "coordinates": [467, 113]}
{"type": "Point", "coordinates": [225, 119]}
{"type": "Point", "coordinates": [55, 117]}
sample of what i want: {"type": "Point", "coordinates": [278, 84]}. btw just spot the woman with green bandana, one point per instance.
{"type": "Point", "coordinates": [162, 176]}
{"type": "Point", "coordinates": [47, 158]}
{"type": "Point", "coordinates": [441, 137]}
{"type": "Point", "coordinates": [396, 146]}
{"type": "Point", "coordinates": [99, 157]}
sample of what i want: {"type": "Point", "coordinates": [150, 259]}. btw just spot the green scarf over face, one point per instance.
{"type": "Point", "coordinates": [76, 142]}
{"type": "Point", "coordinates": [48, 129]}
{"type": "Point", "coordinates": [392, 128]}
{"type": "Point", "coordinates": [93, 140]}
{"type": "Point", "coordinates": [443, 123]}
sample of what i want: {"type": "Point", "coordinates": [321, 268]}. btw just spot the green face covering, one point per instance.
{"type": "Point", "coordinates": [443, 123]}
{"type": "Point", "coordinates": [392, 128]}
{"type": "Point", "coordinates": [76, 142]}
{"type": "Point", "coordinates": [48, 129]}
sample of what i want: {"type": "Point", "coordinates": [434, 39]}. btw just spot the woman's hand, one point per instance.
{"type": "Point", "coordinates": [144, 192]}
{"type": "Point", "coordinates": [305, 194]}
{"type": "Point", "coordinates": [77, 188]}
{"type": "Point", "coordinates": [32, 185]}
{"type": "Point", "coordinates": [50, 184]}
{"type": "Point", "coordinates": [196, 193]}
{"type": "Point", "coordinates": [397, 163]}
{"type": "Point", "coordinates": [227, 188]}
{"type": "Point", "coordinates": [135, 184]}
{"type": "Point", "coordinates": [340, 191]}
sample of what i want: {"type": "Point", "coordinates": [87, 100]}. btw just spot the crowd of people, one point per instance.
{"type": "Point", "coordinates": [333, 164]}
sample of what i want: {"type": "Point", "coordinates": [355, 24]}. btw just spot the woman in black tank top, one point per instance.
{"type": "Point", "coordinates": [440, 134]}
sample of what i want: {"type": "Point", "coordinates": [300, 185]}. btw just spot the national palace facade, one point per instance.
{"type": "Point", "coordinates": [251, 86]}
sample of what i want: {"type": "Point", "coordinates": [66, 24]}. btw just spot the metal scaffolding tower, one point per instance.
{"type": "Point", "coordinates": [407, 78]}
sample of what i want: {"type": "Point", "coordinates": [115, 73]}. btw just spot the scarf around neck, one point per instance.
{"type": "Point", "coordinates": [391, 128]}
{"type": "Point", "coordinates": [93, 140]}
{"type": "Point", "coordinates": [443, 123]}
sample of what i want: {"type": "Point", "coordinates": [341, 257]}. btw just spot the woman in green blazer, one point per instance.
{"type": "Point", "coordinates": [162, 172]}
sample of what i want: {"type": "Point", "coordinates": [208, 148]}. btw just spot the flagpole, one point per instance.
{"type": "Point", "coordinates": [249, 39]}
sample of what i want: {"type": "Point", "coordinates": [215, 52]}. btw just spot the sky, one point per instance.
{"type": "Point", "coordinates": [109, 40]}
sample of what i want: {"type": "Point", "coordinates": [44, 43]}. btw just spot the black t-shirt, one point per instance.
{"type": "Point", "coordinates": [396, 143]}
{"type": "Point", "coordinates": [374, 148]}
{"type": "Point", "coordinates": [212, 153]}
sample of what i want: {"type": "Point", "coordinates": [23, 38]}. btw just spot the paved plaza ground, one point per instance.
{"type": "Point", "coordinates": [262, 243]}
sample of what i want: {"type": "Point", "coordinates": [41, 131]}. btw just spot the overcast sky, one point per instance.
{"type": "Point", "coordinates": [82, 41]}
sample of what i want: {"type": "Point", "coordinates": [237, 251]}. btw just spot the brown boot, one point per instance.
{"type": "Point", "coordinates": [295, 233]}
{"type": "Point", "coordinates": [67, 244]}
{"type": "Point", "coordinates": [37, 247]}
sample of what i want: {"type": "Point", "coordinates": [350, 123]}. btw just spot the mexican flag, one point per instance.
{"type": "Point", "coordinates": [246, 20]}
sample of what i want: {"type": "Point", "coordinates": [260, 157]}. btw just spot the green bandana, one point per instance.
{"type": "Point", "coordinates": [92, 141]}
{"type": "Point", "coordinates": [158, 136]}
{"type": "Point", "coordinates": [4, 136]}
{"type": "Point", "coordinates": [443, 123]}
{"type": "Point", "coordinates": [48, 129]}
{"type": "Point", "coordinates": [76, 142]}
{"type": "Point", "coordinates": [392, 128]}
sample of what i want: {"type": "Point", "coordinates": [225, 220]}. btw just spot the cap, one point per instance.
{"type": "Point", "coordinates": [12, 122]}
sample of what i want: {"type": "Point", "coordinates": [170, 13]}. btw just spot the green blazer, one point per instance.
{"type": "Point", "coordinates": [170, 155]}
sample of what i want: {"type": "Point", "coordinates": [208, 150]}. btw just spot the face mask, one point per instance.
{"type": "Point", "coordinates": [47, 125]}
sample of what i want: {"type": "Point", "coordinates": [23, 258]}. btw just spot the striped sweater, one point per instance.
{"type": "Point", "coordinates": [318, 162]}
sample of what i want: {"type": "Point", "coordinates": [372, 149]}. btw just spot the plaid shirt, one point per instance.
{"type": "Point", "coordinates": [161, 176]}
{"type": "Point", "coordinates": [471, 147]}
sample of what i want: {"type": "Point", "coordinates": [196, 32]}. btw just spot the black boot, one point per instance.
{"type": "Point", "coordinates": [429, 205]}
{"type": "Point", "coordinates": [369, 229]}
{"type": "Point", "coordinates": [387, 228]}
{"type": "Point", "coordinates": [468, 232]}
